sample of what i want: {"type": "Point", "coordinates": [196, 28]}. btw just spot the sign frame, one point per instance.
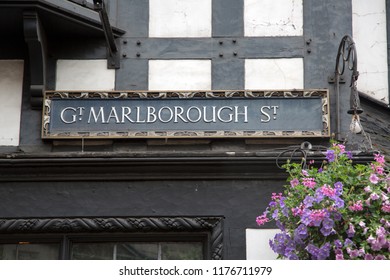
{"type": "Point", "coordinates": [50, 96]}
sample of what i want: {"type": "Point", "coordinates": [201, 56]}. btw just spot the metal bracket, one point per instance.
{"type": "Point", "coordinates": [332, 79]}
{"type": "Point", "coordinates": [113, 57]}
{"type": "Point", "coordinates": [35, 38]}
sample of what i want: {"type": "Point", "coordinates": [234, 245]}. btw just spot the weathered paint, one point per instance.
{"type": "Point", "coordinates": [369, 34]}
{"type": "Point", "coordinates": [11, 84]}
{"type": "Point", "coordinates": [84, 75]}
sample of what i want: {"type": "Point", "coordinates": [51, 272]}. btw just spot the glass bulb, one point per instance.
{"type": "Point", "coordinates": [355, 126]}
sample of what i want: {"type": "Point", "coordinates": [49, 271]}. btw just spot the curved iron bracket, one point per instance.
{"type": "Point", "coordinates": [35, 38]}
{"type": "Point", "coordinates": [346, 60]}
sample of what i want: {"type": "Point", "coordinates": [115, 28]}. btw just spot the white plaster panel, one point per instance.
{"type": "Point", "coordinates": [273, 18]}
{"type": "Point", "coordinates": [179, 74]}
{"type": "Point", "coordinates": [11, 88]}
{"type": "Point", "coordinates": [369, 34]}
{"type": "Point", "coordinates": [257, 244]}
{"type": "Point", "coordinates": [180, 18]}
{"type": "Point", "coordinates": [84, 75]}
{"type": "Point", "coordinates": [280, 73]}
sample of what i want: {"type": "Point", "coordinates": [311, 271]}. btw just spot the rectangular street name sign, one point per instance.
{"type": "Point", "coordinates": [186, 114]}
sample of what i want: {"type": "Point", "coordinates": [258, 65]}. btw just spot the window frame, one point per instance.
{"type": "Point", "coordinates": [66, 231]}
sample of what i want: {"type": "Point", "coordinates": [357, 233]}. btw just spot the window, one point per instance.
{"type": "Point", "coordinates": [137, 251]}
{"type": "Point", "coordinates": [124, 238]}
{"type": "Point", "coordinates": [30, 251]}
{"type": "Point", "coordinates": [106, 248]}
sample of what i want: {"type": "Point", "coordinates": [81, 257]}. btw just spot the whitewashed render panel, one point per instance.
{"type": "Point", "coordinates": [273, 17]}
{"type": "Point", "coordinates": [11, 88]}
{"type": "Point", "coordinates": [280, 73]}
{"type": "Point", "coordinates": [180, 18]}
{"type": "Point", "coordinates": [84, 75]}
{"type": "Point", "coordinates": [369, 34]}
{"type": "Point", "coordinates": [179, 74]}
{"type": "Point", "coordinates": [257, 244]}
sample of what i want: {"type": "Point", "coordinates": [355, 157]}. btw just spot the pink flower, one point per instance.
{"type": "Point", "coordinates": [374, 179]}
{"type": "Point", "coordinates": [380, 159]}
{"type": "Point", "coordinates": [294, 182]}
{"type": "Point", "coordinates": [367, 189]}
{"type": "Point", "coordinates": [357, 206]}
{"type": "Point", "coordinates": [304, 172]}
{"type": "Point", "coordinates": [276, 196]}
{"type": "Point", "coordinates": [261, 220]}
{"type": "Point", "coordinates": [341, 147]}
{"type": "Point", "coordinates": [328, 191]}
{"type": "Point", "coordinates": [309, 182]}
{"type": "Point", "coordinates": [386, 207]}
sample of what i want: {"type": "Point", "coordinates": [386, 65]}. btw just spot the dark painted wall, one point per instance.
{"type": "Point", "coordinates": [238, 201]}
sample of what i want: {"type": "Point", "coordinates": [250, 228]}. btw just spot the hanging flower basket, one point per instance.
{"type": "Point", "coordinates": [338, 211]}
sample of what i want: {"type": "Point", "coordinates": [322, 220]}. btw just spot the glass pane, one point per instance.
{"type": "Point", "coordinates": [182, 251]}
{"type": "Point", "coordinates": [137, 251]}
{"type": "Point", "coordinates": [8, 251]}
{"type": "Point", "coordinates": [92, 251]}
{"type": "Point", "coordinates": [29, 251]}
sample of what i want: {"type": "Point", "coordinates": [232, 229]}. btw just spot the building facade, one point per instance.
{"type": "Point", "coordinates": [178, 172]}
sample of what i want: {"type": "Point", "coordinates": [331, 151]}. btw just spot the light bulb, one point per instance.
{"type": "Point", "coordinates": [355, 126]}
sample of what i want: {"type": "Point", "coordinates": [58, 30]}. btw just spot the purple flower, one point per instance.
{"type": "Point", "coordinates": [308, 201]}
{"type": "Point", "coordinates": [330, 156]}
{"type": "Point", "coordinates": [324, 251]}
{"type": "Point", "coordinates": [374, 196]}
{"type": "Point", "coordinates": [376, 246]}
{"type": "Point", "coordinates": [348, 242]}
{"type": "Point", "coordinates": [380, 257]}
{"type": "Point", "coordinates": [320, 170]}
{"type": "Point", "coordinates": [328, 223]}
{"type": "Point", "coordinates": [282, 244]}
{"type": "Point", "coordinates": [354, 254]}
{"type": "Point", "coordinates": [349, 154]}
{"type": "Point", "coordinates": [280, 225]}
{"type": "Point", "coordinates": [339, 257]}
{"type": "Point", "coordinates": [301, 231]}
{"type": "Point", "coordinates": [326, 231]}
{"type": "Point", "coordinates": [339, 188]}
{"type": "Point", "coordinates": [351, 230]}
{"type": "Point", "coordinates": [374, 179]}
{"type": "Point", "coordinates": [292, 256]}
{"type": "Point", "coordinates": [272, 204]}
{"type": "Point", "coordinates": [319, 196]}
{"type": "Point", "coordinates": [368, 257]}
{"type": "Point", "coordinates": [275, 214]}
{"type": "Point", "coordinates": [313, 251]}
{"type": "Point", "coordinates": [337, 216]}
{"type": "Point", "coordinates": [338, 243]}
{"type": "Point", "coordinates": [338, 202]}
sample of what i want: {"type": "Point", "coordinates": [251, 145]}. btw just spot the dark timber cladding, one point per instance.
{"type": "Point", "coordinates": [214, 181]}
